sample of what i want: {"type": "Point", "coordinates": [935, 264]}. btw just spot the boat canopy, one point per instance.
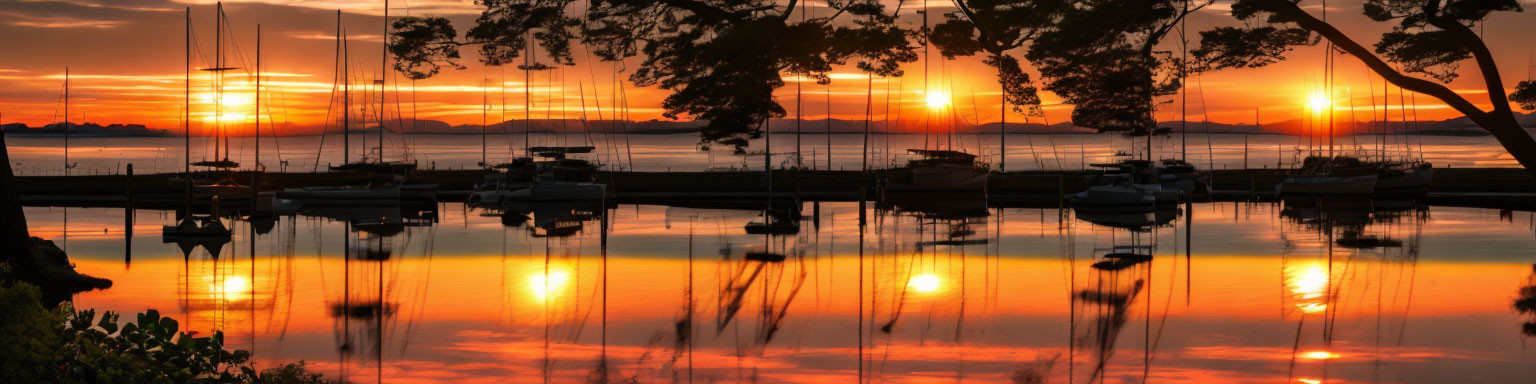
{"type": "Point", "coordinates": [560, 151]}
{"type": "Point", "coordinates": [942, 154]}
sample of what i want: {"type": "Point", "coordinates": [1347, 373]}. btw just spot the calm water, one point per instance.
{"type": "Point", "coordinates": [1266, 293]}
{"type": "Point", "coordinates": [679, 152]}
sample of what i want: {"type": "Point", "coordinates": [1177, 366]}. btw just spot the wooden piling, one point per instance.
{"type": "Point", "coordinates": [128, 216]}
{"type": "Point", "coordinates": [862, 198]}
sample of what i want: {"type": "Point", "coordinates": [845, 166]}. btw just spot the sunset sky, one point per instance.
{"type": "Point", "coordinates": [126, 64]}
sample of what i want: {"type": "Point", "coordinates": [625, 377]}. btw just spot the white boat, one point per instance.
{"type": "Point", "coordinates": [938, 171]}
{"type": "Point", "coordinates": [1142, 176]}
{"type": "Point", "coordinates": [346, 195]}
{"type": "Point", "coordinates": [1116, 191]}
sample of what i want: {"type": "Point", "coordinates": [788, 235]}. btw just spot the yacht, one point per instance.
{"type": "Point", "coordinates": [1330, 176]}
{"type": "Point", "coordinates": [938, 171]}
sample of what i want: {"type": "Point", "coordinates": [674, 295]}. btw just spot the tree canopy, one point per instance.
{"type": "Point", "coordinates": [1100, 56]}
{"type": "Point", "coordinates": [722, 59]}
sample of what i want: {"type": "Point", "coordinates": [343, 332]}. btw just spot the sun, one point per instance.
{"type": "Point", "coordinates": [937, 100]}
{"type": "Point", "coordinates": [1318, 101]}
{"type": "Point", "coordinates": [925, 283]}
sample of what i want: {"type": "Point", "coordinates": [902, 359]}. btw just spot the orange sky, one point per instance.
{"type": "Point", "coordinates": [126, 64]}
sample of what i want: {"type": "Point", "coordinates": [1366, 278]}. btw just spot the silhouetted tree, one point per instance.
{"type": "Point", "coordinates": [1432, 38]}
{"type": "Point", "coordinates": [1098, 55]}
{"type": "Point", "coordinates": [1525, 304]}
{"type": "Point", "coordinates": [721, 59]}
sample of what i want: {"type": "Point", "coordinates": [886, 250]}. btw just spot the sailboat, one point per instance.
{"type": "Point", "coordinates": [558, 178]}
{"type": "Point", "coordinates": [380, 165]}
{"type": "Point", "coordinates": [221, 138]}
{"type": "Point", "coordinates": [373, 193]}
{"type": "Point", "coordinates": [1404, 177]}
{"type": "Point", "coordinates": [935, 170]}
{"type": "Point", "coordinates": [199, 225]}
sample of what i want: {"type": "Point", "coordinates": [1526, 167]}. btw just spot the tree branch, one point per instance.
{"type": "Point", "coordinates": [1470, 40]}
{"type": "Point", "coordinates": [1293, 12]}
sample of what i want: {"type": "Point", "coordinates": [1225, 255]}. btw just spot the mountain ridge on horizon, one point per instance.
{"type": "Point", "coordinates": [1459, 126]}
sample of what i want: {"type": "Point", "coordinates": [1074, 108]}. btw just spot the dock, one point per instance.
{"type": "Point", "coordinates": [1493, 187]}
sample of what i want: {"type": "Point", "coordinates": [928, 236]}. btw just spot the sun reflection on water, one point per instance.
{"type": "Point", "coordinates": [925, 283]}
{"type": "Point", "coordinates": [1308, 286]}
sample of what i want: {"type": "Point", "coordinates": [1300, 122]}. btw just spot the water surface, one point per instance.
{"type": "Point", "coordinates": [1236, 292]}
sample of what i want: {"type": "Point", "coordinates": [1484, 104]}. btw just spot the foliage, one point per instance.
{"type": "Point", "coordinates": [1525, 95]}
{"type": "Point", "coordinates": [721, 59]}
{"type": "Point", "coordinates": [68, 346]}
{"type": "Point", "coordinates": [150, 349]}
{"type": "Point", "coordinates": [30, 333]}
{"type": "Point", "coordinates": [1429, 38]}
{"type": "Point", "coordinates": [291, 374]}
{"type": "Point", "coordinates": [1098, 55]}
{"type": "Point", "coordinates": [997, 27]}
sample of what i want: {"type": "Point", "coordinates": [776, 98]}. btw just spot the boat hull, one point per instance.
{"type": "Point", "coordinates": [1115, 197]}
{"type": "Point", "coordinates": [1327, 186]}
{"type": "Point", "coordinates": [1415, 179]}
{"type": "Point", "coordinates": [938, 178]}
{"type": "Point", "coordinates": [344, 195]}
{"type": "Point", "coordinates": [544, 191]}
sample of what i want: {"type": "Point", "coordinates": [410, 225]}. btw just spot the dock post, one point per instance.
{"type": "Point", "coordinates": [1061, 193]}
{"type": "Point", "coordinates": [815, 213]}
{"type": "Point", "coordinates": [862, 198]}
{"type": "Point", "coordinates": [128, 216]}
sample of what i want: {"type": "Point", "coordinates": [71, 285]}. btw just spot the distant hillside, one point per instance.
{"type": "Point", "coordinates": [1460, 126]}
{"type": "Point", "coordinates": [81, 130]}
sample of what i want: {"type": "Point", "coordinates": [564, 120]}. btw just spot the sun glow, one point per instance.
{"type": "Point", "coordinates": [937, 100]}
{"type": "Point", "coordinates": [550, 285]}
{"type": "Point", "coordinates": [234, 288]}
{"type": "Point", "coordinates": [1318, 102]}
{"type": "Point", "coordinates": [1320, 355]}
{"type": "Point", "coordinates": [1309, 285]}
{"type": "Point", "coordinates": [925, 283]}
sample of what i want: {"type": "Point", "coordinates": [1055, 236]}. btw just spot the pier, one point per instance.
{"type": "Point", "coordinates": [1488, 187]}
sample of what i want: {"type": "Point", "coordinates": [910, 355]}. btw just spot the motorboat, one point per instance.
{"type": "Point", "coordinates": [543, 190]}
{"type": "Point", "coordinates": [1142, 176]}
{"type": "Point", "coordinates": [1405, 177]}
{"type": "Point", "coordinates": [346, 195]}
{"type": "Point", "coordinates": [1325, 176]}
{"type": "Point", "coordinates": [938, 171]}
{"type": "Point", "coordinates": [418, 191]}
{"type": "Point", "coordinates": [556, 179]}
{"type": "Point", "coordinates": [1115, 191]}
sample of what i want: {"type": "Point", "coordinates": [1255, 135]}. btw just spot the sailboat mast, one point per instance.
{"type": "Point", "coordinates": [256, 165]}
{"type": "Point", "coordinates": [528, 94]}
{"type": "Point", "coordinates": [186, 115]}
{"type": "Point", "coordinates": [383, 76]}
{"type": "Point", "coordinates": [66, 121]}
{"type": "Point", "coordinates": [346, 94]}
{"type": "Point", "coordinates": [1184, 88]}
{"type": "Point", "coordinates": [218, 58]}
{"type": "Point", "coordinates": [485, 105]}
{"type": "Point", "coordinates": [926, 119]}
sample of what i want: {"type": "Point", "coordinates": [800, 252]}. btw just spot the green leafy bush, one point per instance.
{"type": "Point", "coordinates": [66, 346]}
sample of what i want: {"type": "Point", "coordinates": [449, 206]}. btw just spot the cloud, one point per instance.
{"type": "Point", "coordinates": [366, 7]}
{"type": "Point", "coordinates": [317, 35]}
{"type": "Point", "coordinates": [23, 20]}
{"type": "Point", "coordinates": [115, 4]}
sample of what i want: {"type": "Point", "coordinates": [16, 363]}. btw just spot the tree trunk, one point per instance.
{"type": "Point", "coordinates": [15, 241]}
